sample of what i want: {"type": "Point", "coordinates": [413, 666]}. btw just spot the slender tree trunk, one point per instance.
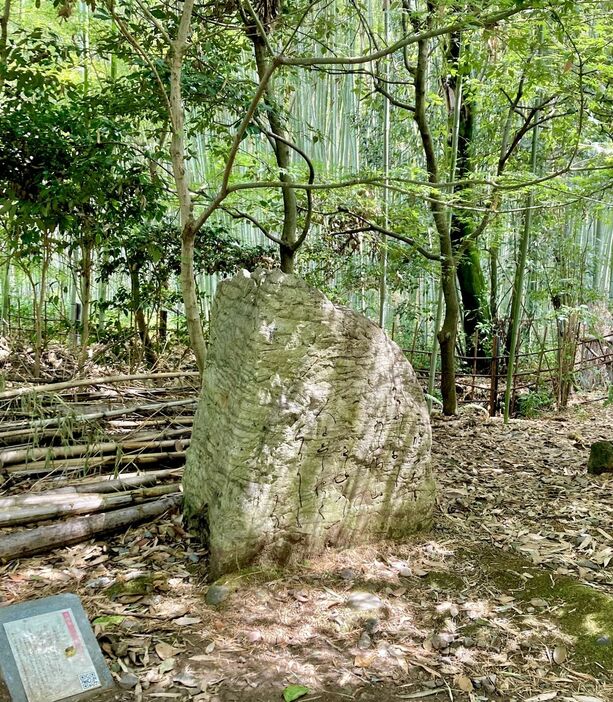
{"type": "Point", "coordinates": [611, 269]}
{"type": "Point", "coordinates": [470, 275]}
{"type": "Point", "coordinates": [86, 293]}
{"type": "Point", "coordinates": [4, 29]}
{"type": "Point", "coordinates": [283, 158]}
{"type": "Point", "coordinates": [448, 332]}
{"type": "Point", "coordinates": [494, 285]}
{"type": "Point", "coordinates": [518, 286]}
{"type": "Point", "coordinates": [39, 305]}
{"type": "Point", "coordinates": [162, 330]}
{"type": "Point", "coordinates": [190, 296]}
{"type": "Point", "coordinates": [177, 152]}
{"type": "Point", "coordinates": [139, 315]}
{"type": "Point", "coordinates": [6, 297]}
{"type": "Point", "coordinates": [386, 172]}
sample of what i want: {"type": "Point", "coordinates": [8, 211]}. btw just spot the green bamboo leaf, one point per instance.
{"type": "Point", "coordinates": [294, 692]}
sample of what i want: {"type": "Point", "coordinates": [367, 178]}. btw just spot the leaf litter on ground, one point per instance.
{"type": "Point", "coordinates": [437, 627]}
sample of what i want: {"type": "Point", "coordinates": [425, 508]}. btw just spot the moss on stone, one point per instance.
{"type": "Point", "coordinates": [142, 585]}
{"type": "Point", "coordinates": [601, 458]}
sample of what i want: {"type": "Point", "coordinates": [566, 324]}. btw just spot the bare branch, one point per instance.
{"type": "Point", "coordinates": [483, 21]}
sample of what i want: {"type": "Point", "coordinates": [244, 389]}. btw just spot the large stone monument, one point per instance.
{"type": "Point", "coordinates": [311, 430]}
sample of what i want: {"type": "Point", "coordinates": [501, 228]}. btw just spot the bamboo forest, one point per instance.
{"type": "Point", "coordinates": [306, 350]}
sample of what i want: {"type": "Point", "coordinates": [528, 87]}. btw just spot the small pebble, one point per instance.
{"type": "Point", "coordinates": [97, 583]}
{"type": "Point", "coordinates": [441, 641]}
{"type": "Point", "coordinates": [216, 594]}
{"type": "Point", "coordinates": [364, 601]}
{"type": "Point", "coordinates": [186, 679]}
{"type": "Point", "coordinates": [365, 641]}
{"type": "Point", "coordinates": [371, 625]}
{"type": "Point", "coordinates": [128, 681]}
{"type": "Point", "coordinates": [585, 563]}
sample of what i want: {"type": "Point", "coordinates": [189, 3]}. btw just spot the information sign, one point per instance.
{"type": "Point", "coordinates": [48, 651]}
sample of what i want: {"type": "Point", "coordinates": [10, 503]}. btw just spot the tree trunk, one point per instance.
{"type": "Point", "coordinates": [4, 27]}
{"type": "Point", "coordinates": [283, 158]}
{"type": "Point", "coordinates": [518, 285]}
{"type": "Point", "coordinates": [139, 315]}
{"type": "Point", "coordinates": [470, 275]}
{"type": "Point", "coordinates": [6, 298]}
{"type": "Point", "coordinates": [177, 153]}
{"type": "Point", "coordinates": [39, 305]}
{"type": "Point", "coordinates": [86, 293]}
{"type": "Point", "coordinates": [190, 296]}
{"type": "Point", "coordinates": [162, 330]}
{"type": "Point", "coordinates": [448, 332]}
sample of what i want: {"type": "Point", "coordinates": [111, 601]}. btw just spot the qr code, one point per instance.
{"type": "Point", "coordinates": [89, 680]}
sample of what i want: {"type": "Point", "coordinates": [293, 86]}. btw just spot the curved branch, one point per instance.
{"type": "Point", "coordinates": [477, 22]}
{"type": "Point", "coordinates": [392, 234]}
{"type": "Point", "coordinates": [309, 193]}
{"type": "Point", "coordinates": [239, 214]}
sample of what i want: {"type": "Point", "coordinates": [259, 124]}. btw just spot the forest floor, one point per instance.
{"type": "Point", "coordinates": [510, 597]}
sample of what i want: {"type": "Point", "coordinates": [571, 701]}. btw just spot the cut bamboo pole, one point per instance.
{"type": "Point", "coordinates": [186, 420]}
{"type": "Point", "coordinates": [126, 481]}
{"type": "Point", "coordinates": [72, 531]}
{"type": "Point", "coordinates": [52, 506]}
{"type": "Point", "coordinates": [75, 464]}
{"type": "Point", "coordinates": [28, 434]}
{"type": "Point", "coordinates": [83, 382]}
{"type": "Point", "coordinates": [151, 435]}
{"type": "Point", "coordinates": [88, 417]}
{"type": "Point", "coordinates": [49, 453]}
{"type": "Point", "coordinates": [67, 494]}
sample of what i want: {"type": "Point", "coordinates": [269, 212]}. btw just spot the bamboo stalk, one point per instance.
{"type": "Point", "coordinates": [42, 508]}
{"type": "Point", "coordinates": [52, 452]}
{"type": "Point", "coordinates": [72, 531]}
{"type": "Point", "coordinates": [68, 494]}
{"type": "Point", "coordinates": [27, 434]}
{"type": "Point", "coordinates": [82, 382]}
{"type": "Point", "coordinates": [152, 435]}
{"type": "Point", "coordinates": [126, 481]}
{"type": "Point", "coordinates": [75, 464]}
{"type": "Point", "coordinates": [104, 414]}
{"type": "Point", "coordinates": [127, 423]}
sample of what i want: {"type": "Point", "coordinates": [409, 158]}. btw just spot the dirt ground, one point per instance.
{"type": "Point", "coordinates": [510, 597]}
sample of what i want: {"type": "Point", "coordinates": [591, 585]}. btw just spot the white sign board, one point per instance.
{"type": "Point", "coordinates": [53, 654]}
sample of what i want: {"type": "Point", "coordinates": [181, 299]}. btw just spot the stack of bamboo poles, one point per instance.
{"type": "Point", "coordinates": [76, 463]}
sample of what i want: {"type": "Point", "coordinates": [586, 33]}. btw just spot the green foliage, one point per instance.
{"type": "Point", "coordinates": [85, 135]}
{"type": "Point", "coordinates": [534, 403]}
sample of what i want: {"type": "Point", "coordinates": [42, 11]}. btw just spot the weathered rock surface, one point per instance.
{"type": "Point", "coordinates": [601, 458]}
{"type": "Point", "coordinates": [311, 430]}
